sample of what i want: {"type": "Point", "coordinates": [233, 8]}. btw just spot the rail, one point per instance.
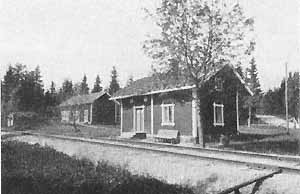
{"type": "Point", "coordinates": [207, 154]}
{"type": "Point", "coordinates": [258, 182]}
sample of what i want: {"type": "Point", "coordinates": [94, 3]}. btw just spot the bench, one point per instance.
{"type": "Point", "coordinates": [167, 136]}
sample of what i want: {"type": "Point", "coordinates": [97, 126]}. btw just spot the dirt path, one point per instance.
{"type": "Point", "coordinates": [214, 176]}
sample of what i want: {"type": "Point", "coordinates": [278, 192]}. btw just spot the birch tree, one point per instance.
{"type": "Point", "coordinates": [196, 37]}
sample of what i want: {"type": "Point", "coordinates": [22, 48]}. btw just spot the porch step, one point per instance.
{"type": "Point", "coordinates": [140, 135]}
{"type": "Point", "coordinates": [127, 134]}
{"type": "Point", "coordinates": [134, 135]}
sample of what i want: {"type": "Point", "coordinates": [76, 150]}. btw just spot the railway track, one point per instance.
{"type": "Point", "coordinates": [288, 164]}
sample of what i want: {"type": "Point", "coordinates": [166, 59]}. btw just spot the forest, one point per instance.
{"type": "Point", "coordinates": [22, 90]}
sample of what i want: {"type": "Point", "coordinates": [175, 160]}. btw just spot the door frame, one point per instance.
{"type": "Point", "coordinates": [134, 117]}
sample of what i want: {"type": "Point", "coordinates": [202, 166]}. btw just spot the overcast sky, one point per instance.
{"type": "Point", "coordinates": [68, 38]}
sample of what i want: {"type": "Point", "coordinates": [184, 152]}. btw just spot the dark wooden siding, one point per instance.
{"type": "Point", "coordinates": [79, 108]}
{"type": "Point", "coordinates": [227, 97]}
{"type": "Point", "coordinates": [103, 110]}
{"type": "Point", "coordinates": [127, 119]}
{"type": "Point", "coordinates": [182, 112]}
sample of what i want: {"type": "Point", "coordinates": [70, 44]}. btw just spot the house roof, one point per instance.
{"type": "Point", "coordinates": [153, 85]}
{"type": "Point", "coordinates": [82, 99]}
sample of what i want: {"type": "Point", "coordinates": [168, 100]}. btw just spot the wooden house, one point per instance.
{"type": "Point", "coordinates": [150, 104]}
{"type": "Point", "coordinates": [91, 108]}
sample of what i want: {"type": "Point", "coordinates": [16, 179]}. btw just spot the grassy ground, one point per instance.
{"type": "Point", "coordinates": [200, 175]}
{"type": "Point", "coordinates": [280, 144]}
{"type": "Point", "coordinates": [262, 130]}
{"type": "Point", "coordinates": [58, 128]}
{"type": "Point", "coordinates": [34, 169]}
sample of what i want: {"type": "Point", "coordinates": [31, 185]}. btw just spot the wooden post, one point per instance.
{"type": "Point", "coordinates": [237, 110]}
{"type": "Point", "coordinates": [91, 119]}
{"type": "Point", "coordinates": [286, 100]}
{"type": "Point", "coordinates": [152, 115]}
{"type": "Point", "coordinates": [249, 117]}
{"type": "Point", "coordinates": [115, 112]}
{"type": "Point", "coordinates": [121, 114]}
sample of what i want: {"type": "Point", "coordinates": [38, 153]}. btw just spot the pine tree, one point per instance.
{"type": "Point", "coordinates": [253, 102]}
{"type": "Point", "coordinates": [114, 84]}
{"type": "Point", "coordinates": [97, 86]}
{"type": "Point", "coordinates": [52, 88]}
{"type": "Point", "coordinates": [252, 78]}
{"type": "Point", "coordinates": [53, 101]}
{"type": "Point", "coordinates": [38, 91]}
{"type": "Point", "coordinates": [84, 89]}
{"type": "Point", "coordinates": [66, 90]}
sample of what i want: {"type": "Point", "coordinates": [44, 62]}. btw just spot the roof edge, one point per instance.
{"type": "Point", "coordinates": [154, 92]}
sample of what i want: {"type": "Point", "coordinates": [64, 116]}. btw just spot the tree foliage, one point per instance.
{"type": "Point", "coordinates": [252, 81]}
{"type": "Point", "coordinates": [274, 100]}
{"type": "Point", "coordinates": [114, 83]}
{"type": "Point", "coordinates": [22, 90]}
{"type": "Point", "coordinates": [84, 88]}
{"type": "Point", "coordinates": [97, 85]}
{"type": "Point", "coordinates": [129, 81]}
{"type": "Point", "coordinates": [66, 91]}
{"type": "Point", "coordinates": [198, 36]}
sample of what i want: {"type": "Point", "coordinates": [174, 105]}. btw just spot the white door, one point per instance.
{"type": "Point", "coordinates": [139, 119]}
{"type": "Point", "coordinates": [86, 115]}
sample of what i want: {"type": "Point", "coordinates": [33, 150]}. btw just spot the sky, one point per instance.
{"type": "Point", "coordinates": [68, 39]}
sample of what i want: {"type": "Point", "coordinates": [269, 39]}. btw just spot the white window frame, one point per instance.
{"type": "Point", "coordinates": [65, 115]}
{"type": "Point", "coordinates": [77, 115]}
{"type": "Point", "coordinates": [222, 114]}
{"type": "Point", "coordinates": [167, 123]}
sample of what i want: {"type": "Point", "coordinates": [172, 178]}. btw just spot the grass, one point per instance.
{"type": "Point", "coordinates": [58, 128]}
{"type": "Point", "coordinates": [38, 170]}
{"type": "Point", "coordinates": [262, 130]}
{"type": "Point", "coordinates": [282, 144]}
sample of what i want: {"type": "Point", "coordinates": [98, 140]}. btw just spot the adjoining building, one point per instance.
{"type": "Point", "coordinates": [94, 108]}
{"type": "Point", "coordinates": [150, 104]}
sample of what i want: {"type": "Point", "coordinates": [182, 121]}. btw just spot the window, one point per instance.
{"type": "Point", "coordinates": [65, 115]}
{"type": "Point", "coordinates": [167, 114]}
{"type": "Point", "coordinates": [77, 116]}
{"type": "Point", "coordinates": [218, 114]}
{"type": "Point", "coordinates": [218, 84]}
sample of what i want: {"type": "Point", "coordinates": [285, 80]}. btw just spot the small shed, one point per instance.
{"type": "Point", "coordinates": [94, 108]}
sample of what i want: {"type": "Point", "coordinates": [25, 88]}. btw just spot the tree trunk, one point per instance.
{"type": "Point", "coordinates": [200, 131]}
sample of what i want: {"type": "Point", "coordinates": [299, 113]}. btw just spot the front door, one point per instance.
{"type": "Point", "coordinates": [139, 124]}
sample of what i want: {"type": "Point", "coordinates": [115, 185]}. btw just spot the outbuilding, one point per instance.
{"type": "Point", "coordinates": [91, 108]}
{"type": "Point", "coordinates": [150, 104]}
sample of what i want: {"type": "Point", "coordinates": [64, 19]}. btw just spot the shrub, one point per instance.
{"type": "Point", "coordinates": [37, 170]}
{"type": "Point", "coordinates": [27, 120]}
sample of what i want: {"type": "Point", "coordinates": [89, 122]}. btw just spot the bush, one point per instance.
{"type": "Point", "coordinates": [27, 120]}
{"type": "Point", "coordinates": [37, 170]}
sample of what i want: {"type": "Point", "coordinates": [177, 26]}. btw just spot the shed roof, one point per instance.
{"type": "Point", "coordinates": [82, 99]}
{"type": "Point", "coordinates": [152, 85]}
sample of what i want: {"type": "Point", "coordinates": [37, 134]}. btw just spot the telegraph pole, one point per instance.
{"type": "Point", "coordinates": [286, 99]}
{"type": "Point", "coordinates": [299, 99]}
